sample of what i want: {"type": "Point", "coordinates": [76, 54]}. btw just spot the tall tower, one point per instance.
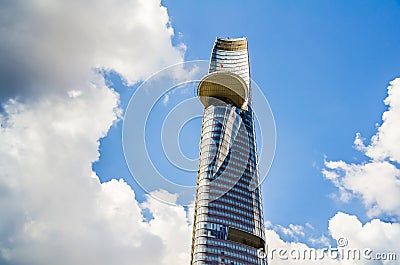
{"type": "Point", "coordinates": [228, 225]}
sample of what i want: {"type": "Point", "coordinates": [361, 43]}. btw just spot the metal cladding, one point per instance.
{"type": "Point", "coordinates": [230, 55]}
{"type": "Point", "coordinates": [228, 226]}
{"type": "Point", "coordinates": [224, 86]}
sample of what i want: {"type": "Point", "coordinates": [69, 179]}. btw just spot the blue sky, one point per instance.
{"type": "Point", "coordinates": [323, 66]}
{"type": "Point", "coordinates": [68, 70]}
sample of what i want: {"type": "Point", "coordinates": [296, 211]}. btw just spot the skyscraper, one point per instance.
{"type": "Point", "coordinates": [228, 225]}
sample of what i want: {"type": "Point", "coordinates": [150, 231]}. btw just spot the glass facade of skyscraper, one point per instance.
{"type": "Point", "coordinates": [228, 225]}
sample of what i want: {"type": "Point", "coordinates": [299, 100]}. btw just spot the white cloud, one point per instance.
{"type": "Point", "coordinates": [172, 224]}
{"type": "Point", "coordinates": [376, 181]}
{"type": "Point", "coordinates": [55, 109]}
{"type": "Point", "coordinates": [51, 46]}
{"type": "Point", "coordinates": [297, 229]}
{"type": "Point", "coordinates": [166, 99]}
{"type": "Point", "coordinates": [309, 226]}
{"type": "Point", "coordinates": [53, 208]}
{"type": "Point", "coordinates": [55, 211]}
{"type": "Point", "coordinates": [323, 240]}
{"type": "Point", "coordinates": [293, 231]}
{"type": "Point", "coordinates": [281, 252]}
{"type": "Point", "coordinates": [376, 235]}
{"type": "Point", "coordinates": [383, 144]}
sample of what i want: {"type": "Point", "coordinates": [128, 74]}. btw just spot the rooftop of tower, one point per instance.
{"type": "Point", "coordinates": [231, 44]}
{"type": "Point", "coordinates": [224, 84]}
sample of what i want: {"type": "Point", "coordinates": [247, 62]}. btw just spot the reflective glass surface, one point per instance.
{"type": "Point", "coordinates": [228, 226]}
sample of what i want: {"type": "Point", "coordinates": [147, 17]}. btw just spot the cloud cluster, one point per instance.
{"type": "Point", "coordinates": [376, 181]}
{"type": "Point", "coordinates": [53, 46]}
{"type": "Point", "coordinates": [55, 108]}
{"type": "Point", "coordinates": [54, 209]}
{"type": "Point", "coordinates": [378, 236]}
{"type": "Point", "coordinates": [293, 231]}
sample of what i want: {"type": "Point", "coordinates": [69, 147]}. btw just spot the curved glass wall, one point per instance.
{"type": "Point", "coordinates": [228, 226]}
